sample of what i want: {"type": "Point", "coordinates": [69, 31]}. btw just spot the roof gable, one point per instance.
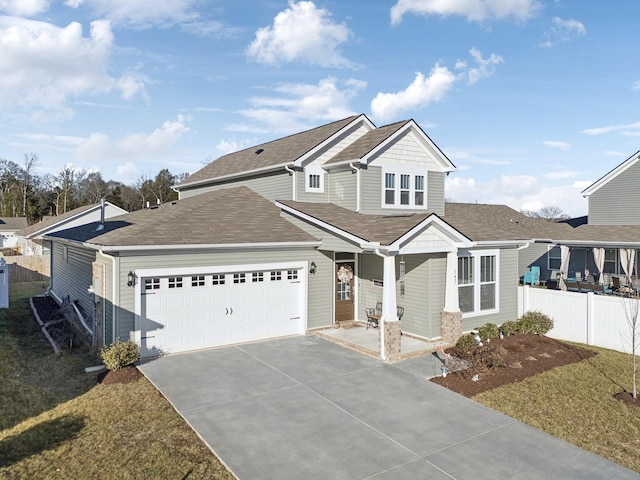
{"type": "Point", "coordinates": [368, 147]}
{"type": "Point", "coordinates": [628, 163]}
{"type": "Point", "coordinates": [271, 155]}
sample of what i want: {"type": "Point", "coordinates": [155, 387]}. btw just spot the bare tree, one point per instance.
{"type": "Point", "coordinates": [631, 307]}
{"type": "Point", "coordinates": [31, 162]}
{"type": "Point", "coordinates": [550, 213]}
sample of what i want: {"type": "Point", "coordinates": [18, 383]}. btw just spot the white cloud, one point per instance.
{"type": "Point", "coordinates": [613, 153]}
{"type": "Point", "coordinates": [562, 31]}
{"type": "Point", "coordinates": [26, 8]}
{"type": "Point", "coordinates": [628, 129]}
{"type": "Point", "coordinates": [142, 13]}
{"type": "Point", "coordinates": [483, 67]}
{"type": "Point", "coordinates": [42, 65]}
{"type": "Point", "coordinates": [135, 145]}
{"type": "Point", "coordinates": [563, 174]}
{"type": "Point", "coordinates": [472, 10]}
{"type": "Point", "coordinates": [420, 93]}
{"type": "Point", "coordinates": [127, 169]}
{"type": "Point", "coordinates": [426, 90]}
{"type": "Point", "coordinates": [230, 146]}
{"type": "Point", "coordinates": [296, 106]}
{"type": "Point", "coordinates": [520, 192]}
{"type": "Point", "coordinates": [302, 33]}
{"type": "Point", "coordinates": [557, 144]}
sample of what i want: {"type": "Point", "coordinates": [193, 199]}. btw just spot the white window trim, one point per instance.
{"type": "Point", "coordinates": [313, 170]}
{"type": "Point", "coordinates": [476, 255]}
{"type": "Point", "coordinates": [413, 173]}
{"type": "Point", "coordinates": [549, 257]}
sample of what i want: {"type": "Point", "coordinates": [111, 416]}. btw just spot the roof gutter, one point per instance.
{"type": "Point", "coordinates": [229, 176]}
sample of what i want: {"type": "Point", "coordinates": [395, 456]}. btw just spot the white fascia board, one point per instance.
{"type": "Point", "coordinates": [433, 219]}
{"type": "Point", "coordinates": [299, 162]}
{"type": "Point", "coordinates": [629, 162]}
{"type": "Point", "coordinates": [596, 244]}
{"type": "Point", "coordinates": [231, 176]}
{"type": "Point", "coordinates": [355, 161]}
{"type": "Point", "coordinates": [201, 246]}
{"type": "Point", "coordinates": [500, 243]}
{"type": "Point", "coordinates": [447, 166]}
{"type": "Point", "coordinates": [362, 242]}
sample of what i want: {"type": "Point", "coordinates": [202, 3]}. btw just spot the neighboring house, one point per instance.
{"type": "Point", "coordinates": [611, 230]}
{"type": "Point", "coordinates": [294, 235]}
{"type": "Point", "coordinates": [9, 226]}
{"type": "Point", "coordinates": [30, 239]}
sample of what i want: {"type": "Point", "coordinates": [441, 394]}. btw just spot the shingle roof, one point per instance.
{"type": "Point", "coordinates": [227, 216]}
{"type": "Point", "coordinates": [367, 142]}
{"type": "Point", "coordinates": [602, 234]}
{"type": "Point", "coordinates": [484, 222]}
{"type": "Point", "coordinates": [277, 152]}
{"type": "Point", "coordinates": [51, 221]}
{"type": "Point", "coordinates": [384, 229]}
{"type": "Point", "coordinates": [12, 223]}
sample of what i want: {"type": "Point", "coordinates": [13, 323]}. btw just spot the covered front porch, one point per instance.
{"type": "Point", "coordinates": [356, 336]}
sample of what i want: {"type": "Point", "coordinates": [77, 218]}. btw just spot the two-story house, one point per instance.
{"type": "Point", "coordinates": [294, 235]}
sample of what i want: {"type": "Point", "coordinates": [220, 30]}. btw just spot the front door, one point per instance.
{"type": "Point", "coordinates": [344, 291]}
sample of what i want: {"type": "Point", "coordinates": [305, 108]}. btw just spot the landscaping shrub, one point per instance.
{"type": "Point", "coordinates": [535, 322]}
{"type": "Point", "coordinates": [119, 354]}
{"type": "Point", "coordinates": [509, 327]}
{"type": "Point", "coordinates": [488, 331]}
{"type": "Point", "coordinates": [466, 342]}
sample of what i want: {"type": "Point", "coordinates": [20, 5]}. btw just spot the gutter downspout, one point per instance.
{"type": "Point", "coordinates": [292, 173]}
{"type": "Point", "coordinates": [113, 298]}
{"type": "Point", "coordinates": [357, 172]}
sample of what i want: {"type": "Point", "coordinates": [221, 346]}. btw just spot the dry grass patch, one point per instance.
{"type": "Point", "coordinates": [575, 403]}
{"type": "Point", "coordinates": [57, 422]}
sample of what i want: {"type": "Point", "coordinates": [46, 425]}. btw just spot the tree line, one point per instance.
{"type": "Point", "coordinates": [24, 193]}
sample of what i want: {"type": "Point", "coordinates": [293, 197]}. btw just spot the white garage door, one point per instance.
{"type": "Point", "coordinates": [180, 313]}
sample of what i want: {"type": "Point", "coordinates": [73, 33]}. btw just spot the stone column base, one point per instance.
{"type": "Point", "coordinates": [451, 326]}
{"type": "Point", "coordinates": [392, 340]}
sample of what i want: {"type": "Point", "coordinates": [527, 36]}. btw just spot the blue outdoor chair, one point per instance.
{"type": "Point", "coordinates": [532, 277]}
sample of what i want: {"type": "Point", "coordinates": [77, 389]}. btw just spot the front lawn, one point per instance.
{"type": "Point", "coordinates": [57, 422]}
{"type": "Point", "coordinates": [575, 403]}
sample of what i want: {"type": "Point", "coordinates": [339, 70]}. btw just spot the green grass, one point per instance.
{"type": "Point", "coordinates": [575, 403]}
{"type": "Point", "coordinates": [57, 422]}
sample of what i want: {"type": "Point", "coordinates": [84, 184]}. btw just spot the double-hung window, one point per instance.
{"type": "Point", "coordinates": [478, 282]}
{"type": "Point", "coordinates": [403, 189]}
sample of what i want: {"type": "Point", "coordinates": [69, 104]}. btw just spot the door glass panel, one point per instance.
{"type": "Point", "coordinates": [344, 290]}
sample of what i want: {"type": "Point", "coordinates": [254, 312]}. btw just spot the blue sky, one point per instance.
{"type": "Point", "coordinates": [532, 100]}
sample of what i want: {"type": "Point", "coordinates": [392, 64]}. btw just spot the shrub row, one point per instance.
{"type": "Point", "coordinates": [531, 322]}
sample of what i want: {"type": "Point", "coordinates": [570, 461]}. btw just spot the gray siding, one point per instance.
{"type": "Point", "coordinates": [320, 285]}
{"type": "Point", "coordinates": [423, 297]}
{"type": "Point", "coordinates": [372, 193]}
{"type": "Point", "coordinates": [617, 202]}
{"type": "Point", "coordinates": [71, 277]}
{"type": "Point", "coordinates": [329, 241]}
{"type": "Point", "coordinates": [508, 293]}
{"type": "Point", "coordinates": [304, 196]}
{"type": "Point", "coordinates": [273, 186]}
{"type": "Point", "coordinates": [343, 188]}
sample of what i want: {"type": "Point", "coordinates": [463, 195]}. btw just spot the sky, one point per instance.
{"type": "Point", "coordinates": [532, 100]}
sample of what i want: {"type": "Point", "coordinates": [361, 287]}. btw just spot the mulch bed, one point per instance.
{"type": "Point", "coordinates": [47, 308]}
{"type": "Point", "coordinates": [122, 375]}
{"type": "Point", "coordinates": [514, 358]}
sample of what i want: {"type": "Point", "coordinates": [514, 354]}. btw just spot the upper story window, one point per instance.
{"type": "Point", "coordinates": [478, 282]}
{"type": "Point", "coordinates": [314, 179]}
{"type": "Point", "coordinates": [403, 190]}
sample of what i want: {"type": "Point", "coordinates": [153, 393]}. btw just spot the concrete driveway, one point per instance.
{"type": "Point", "coordinates": [305, 408]}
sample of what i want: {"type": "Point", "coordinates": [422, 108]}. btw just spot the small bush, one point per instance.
{"type": "Point", "coordinates": [535, 322]}
{"type": "Point", "coordinates": [509, 327]}
{"type": "Point", "coordinates": [119, 354]}
{"type": "Point", "coordinates": [488, 331]}
{"type": "Point", "coordinates": [466, 343]}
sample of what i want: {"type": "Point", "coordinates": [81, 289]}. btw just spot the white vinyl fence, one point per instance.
{"type": "Point", "coordinates": [598, 320]}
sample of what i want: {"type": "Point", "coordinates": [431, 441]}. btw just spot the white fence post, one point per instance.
{"type": "Point", "coordinates": [590, 317]}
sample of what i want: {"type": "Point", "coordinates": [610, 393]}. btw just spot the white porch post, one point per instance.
{"type": "Point", "coordinates": [389, 301]}
{"type": "Point", "coordinates": [451, 302]}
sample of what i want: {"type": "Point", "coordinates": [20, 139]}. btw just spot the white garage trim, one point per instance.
{"type": "Point", "coordinates": [188, 271]}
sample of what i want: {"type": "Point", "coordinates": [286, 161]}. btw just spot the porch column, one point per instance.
{"type": "Point", "coordinates": [389, 325]}
{"type": "Point", "coordinates": [451, 316]}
